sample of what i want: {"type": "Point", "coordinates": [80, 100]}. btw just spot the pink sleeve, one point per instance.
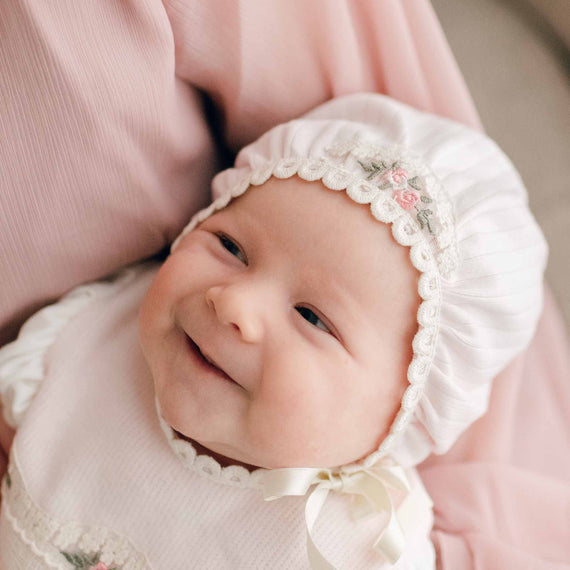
{"type": "Point", "coordinates": [502, 493]}
{"type": "Point", "coordinates": [266, 62]}
{"type": "Point", "coordinates": [103, 153]}
{"type": "Point", "coordinates": [104, 146]}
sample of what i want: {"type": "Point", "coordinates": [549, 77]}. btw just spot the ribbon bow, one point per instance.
{"type": "Point", "coordinates": [369, 487]}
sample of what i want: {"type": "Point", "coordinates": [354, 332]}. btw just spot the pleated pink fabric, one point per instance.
{"type": "Point", "coordinates": [105, 148]}
{"type": "Point", "coordinates": [502, 493]}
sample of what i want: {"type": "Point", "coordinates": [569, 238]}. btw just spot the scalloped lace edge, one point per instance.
{"type": "Point", "coordinates": [206, 466]}
{"type": "Point", "coordinates": [47, 536]}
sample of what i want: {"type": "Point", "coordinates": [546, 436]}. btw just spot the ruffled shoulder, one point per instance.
{"type": "Point", "coordinates": [22, 362]}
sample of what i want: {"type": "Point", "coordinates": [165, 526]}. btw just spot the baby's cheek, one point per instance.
{"type": "Point", "coordinates": [282, 412]}
{"type": "Point", "coordinates": [284, 427]}
{"type": "Point", "coordinates": [293, 415]}
{"type": "Point", "coordinates": [361, 411]}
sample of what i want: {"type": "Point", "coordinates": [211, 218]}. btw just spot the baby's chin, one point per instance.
{"type": "Point", "coordinates": [226, 456]}
{"type": "Point", "coordinates": [277, 452]}
{"type": "Point", "coordinates": [293, 458]}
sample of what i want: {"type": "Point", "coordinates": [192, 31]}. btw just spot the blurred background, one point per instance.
{"type": "Point", "coordinates": [515, 57]}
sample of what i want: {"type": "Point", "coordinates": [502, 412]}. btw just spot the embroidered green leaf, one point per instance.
{"type": "Point", "coordinates": [367, 167]}
{"type": "Point", "coordinates": [426, 199]}
{"type": "Point", "coordinates": [413, 182]}
{"type": "Point", "coordinates": [370, 168]}
{"type": "Point", "coordinates": [74, 559]}
{"type": "Point", "coordinates": [80, 560]}
{"type": "Point", "coordinates": [425, 220]}
{"type": "Point", "coordinates": [421, 219]}
{"type": "Point", "coordinates": [69, 557]}
{"type": "Point", "coordinates": [373, 168]}
{"type": "Point", "coordinates": [8, 481]}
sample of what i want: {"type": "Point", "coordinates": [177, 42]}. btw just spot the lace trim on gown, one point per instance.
{"type": "Point", "coordinates": [22, 362]}
{"type": "Point", "coordinates": [64, 545]}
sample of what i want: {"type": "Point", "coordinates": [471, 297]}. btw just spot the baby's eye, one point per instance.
{"type": "Point", "coordinates": [313, 318]}
{"type": "Point", "coordinates": [232, 247]}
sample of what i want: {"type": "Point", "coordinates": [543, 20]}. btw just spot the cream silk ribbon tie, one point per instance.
{"type": "Point", "coordinates": [369, 488]}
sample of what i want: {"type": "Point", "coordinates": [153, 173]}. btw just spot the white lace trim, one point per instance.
{"type": "Point", "coordinates": [22, 362]}
{"type": "Point", "coordinates": [434, 255]}
{"type": "Point", "coordinates": [206, 466]}
{"type": "Point", "coordinates": [65, 545]}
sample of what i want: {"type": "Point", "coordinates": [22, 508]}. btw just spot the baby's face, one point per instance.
{"type": "Point", "coordinates": [279, 332]}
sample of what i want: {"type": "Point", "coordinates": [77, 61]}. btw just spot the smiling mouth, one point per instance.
{"type": "Point", "coordinates": [207, 361]}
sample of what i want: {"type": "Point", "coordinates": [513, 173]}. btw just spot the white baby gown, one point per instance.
{"type": "Point", "coordinates": [95, 482]}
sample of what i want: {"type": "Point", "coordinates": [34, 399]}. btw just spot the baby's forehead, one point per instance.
{"type": "Point", "coordinates": [335, 242]}
{"type": "Point", "coordinates": [295, 209]}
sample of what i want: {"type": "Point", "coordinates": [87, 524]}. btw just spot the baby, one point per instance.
{"type": "Point", "coordinates": [335, 315]}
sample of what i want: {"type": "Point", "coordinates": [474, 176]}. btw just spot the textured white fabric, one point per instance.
{"type": "Point", "coordinates": [91, 471]}
{"type": "Point", "coordinates": [481, 281]}
{"type": "Point", "coordinates": [22, 363]}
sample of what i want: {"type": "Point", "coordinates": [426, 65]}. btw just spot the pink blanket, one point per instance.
{"type": "Point", "coordinates": [502, 494]}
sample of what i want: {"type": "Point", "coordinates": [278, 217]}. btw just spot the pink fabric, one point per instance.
{"type": "Point", "coordinates": [104, 146]}
{"type": "Point", "coordinates": [284, 57]}
{"type": "Point", "coordinates": [502, 494]}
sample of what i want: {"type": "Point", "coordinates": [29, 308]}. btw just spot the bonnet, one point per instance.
{"type": "Point", "coordinates": [456, 202]}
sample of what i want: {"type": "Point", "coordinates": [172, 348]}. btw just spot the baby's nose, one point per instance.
{"type": "Point", "coordinates": [236, 306]}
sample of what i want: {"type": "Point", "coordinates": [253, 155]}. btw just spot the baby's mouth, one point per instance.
{"type": "Point", "coordinates": [207, 361]}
